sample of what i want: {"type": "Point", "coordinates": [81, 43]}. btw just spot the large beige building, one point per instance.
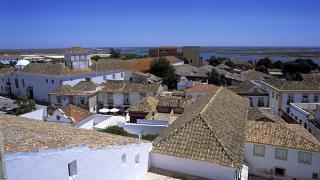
{"type": "Point", "coordinates": [192, 54]}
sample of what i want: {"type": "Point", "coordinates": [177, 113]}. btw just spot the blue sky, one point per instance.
{"type": "Point", "coordinates": [116, 23]}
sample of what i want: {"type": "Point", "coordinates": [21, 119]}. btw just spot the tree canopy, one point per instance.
{"type": "Point", "coordinates": [115, 53]}
{"type": "Point", "coordinates": [25, 105]}
{"type": "Point", "coordinates": [116, 130]}
{"type": "Point", "coordinates": [216, 61]}
{"type": "Point", "coordinates": [215, 78]}
{"type": "Point", "coordinates": [162, 68]}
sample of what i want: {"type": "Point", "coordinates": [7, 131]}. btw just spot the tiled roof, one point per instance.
{"type": "Point", "coordinates": [52, 69]}
{"type": "Point", "coordinates": [190, 71]}
{"type": "Point", "coordinates": [75, 113]}
{"type": "Point", "coordinates": [243, 87]}
{"type": "Point", "coordinates": [69, 90]}
{"type": "Point", "coordinates": [212, 130]}
{"type": "Point", "coordinates": [125, 86]}
{"type": "Point", "coordinates": [310, 77]}
{"type": "Point", "coordinates": [143, 65]}
{"type": "Point", "coordinates": [255, 75]}
{"type": "Point", "coordinates": [4, 71]}
{"type": "Point", "coordinates": [261, 114]}
{"type": "Point", "coordinates": [147, 104]}
{"type": "Point", "coordinates": [85, 86]}
{"type": "Point", "coordinates": [112, 65]}
{"type": "Point", "coordinates": [223, 66]}
{"type": "Point", "coordinates": [173, 102]}
{"type": "Point", "coordinates": [206, 88]}
{"type": "Point", "coordinates": [25, 135]}
{"type": "Point", "coordinates": [281, 134]}
{"type": "Point", "coordinates": [293, 85]}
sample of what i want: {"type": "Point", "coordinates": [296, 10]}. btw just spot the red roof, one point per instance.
{"type": "Point", "coordinates": [203, 88]}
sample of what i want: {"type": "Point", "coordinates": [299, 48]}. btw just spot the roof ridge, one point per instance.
{"type": "Point", "coordinates": [210, 100]}
{"type": "Point", "coordinates": [297, 133]}
{"type": "Point", "coordinates": [213, 132]}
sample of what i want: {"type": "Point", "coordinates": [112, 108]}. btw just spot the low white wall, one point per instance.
{"type": "Point", "coordinates": [36, 115]}
{"type": "Point", "coordinates": [192, 167]}
{"type": "Point", "coordinates": [105, 163]}
{"type": "Point", "coordinates": [143, 129]}
{"type": "Point", "coordinates": [152, 122]}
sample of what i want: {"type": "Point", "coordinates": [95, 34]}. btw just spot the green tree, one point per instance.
{"type": "Point", "coordinates": [262, 68]}
{"type": "Point", "coordinates": [230, 63]}
{"type": "Point", "coordinates": [215, 78]}
{"type": "Point", "coordinates": [95, 58]}
{"type": "Point", "coordinates": [130, 56]}
{"type": "Point", "coordinates": [162, 68]}
{"type": "Point", "coordinates": [265, 61]}
{"type": "Point", "coordinates": [149, 137]}
{"type": "Point", "coordinates": [115, 53]}
{"type": "Point", "coordinates": [25, 105]}
{"type": "Point", "coordinates": [216, 61]}
{"type": "Point", "coordinates": [116, 130]}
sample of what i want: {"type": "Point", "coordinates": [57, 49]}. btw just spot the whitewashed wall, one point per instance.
{"type": "Point", "coordinates": [105, 163]}
{"type": "Point", "coordinates": [257, 165]}
{"type": "Point", "coordinates": [192, 167]}
{"type": "Point", "coordinates": [39, 114]}
{"type": "Point", "coordinates": [143, 129]}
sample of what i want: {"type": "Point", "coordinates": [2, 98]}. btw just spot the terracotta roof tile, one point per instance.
{"type": "Point", "coordinates": [205, 88]}
{"type": "Point", "coordinates": [293, 85]}
{"type": "Point", "coordinates": [125, 86]}
{"type": "Point", "coordinates": [75, 113]}
{"type": "Point", "coordinates": [212, 130]}
{"type": "Point", "coordinates": [281, 134]}
{"type": "Point", "coordinates": [260, 114]}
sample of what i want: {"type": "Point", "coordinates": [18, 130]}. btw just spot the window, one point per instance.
{"type": "Point", "coordinates": [23, 85]}
{"type": "Point", "coordinates": [16, 83]}
{"type": "Point", "coordinates": [290, 99]}
{"type": "Point", "coordinates": [279, 171]}
{"type": "Point", "coordinates": [250, 100]}
{"type": "Point", "coordinates": [142, 95]}
{"type": "Point", "coordinates": [137, 159]}
{"type": "Point", "coordinates": [113, 76]}
{"type": "Point", "coordinates": [305, 125]}
{"type": "Point", "coordinates": [72, 168]}
{"type": "Point", "coordinates": [58, 100]}
{"type": "Point", "coordinates": [52, 81]}
{"type": "Point", "coordinates": [259, 150]}
{"type": "Point", "coordinates": [82, 100]}
{"type": "Point", "coordinates": [47, 80]}
{"type": "Point", "coordinates": [123, 159]}
{"type": "Point", "coordinates": [316, 98]}
{"type": "Point", "coordinates": [126, 98]}
{"type": "Point", "coordinates": [60, 82]}
{"type": "Point", "coordinates": [305, 98]}
{"type": "Point", "coordinates": [260, 102]}
{"type": "Point", "coordinates": [58, 118]}
{"type": "Point", "coordinates": [272, 94]}
{"type": "Point", "coordinates": [281, 154]}
{"type": "Point", "coordinates": [315, 175]}
{"type": "Point", "coordinates": [304, 157]}
{"type": "Point", "coordinates": [122, 74]}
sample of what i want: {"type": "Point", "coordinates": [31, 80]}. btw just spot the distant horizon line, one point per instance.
{"type": "Point", "coordinates": [1, 49]}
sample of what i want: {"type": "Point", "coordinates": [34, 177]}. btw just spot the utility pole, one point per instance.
{"type": "Point", "coordinates": [3, 174]}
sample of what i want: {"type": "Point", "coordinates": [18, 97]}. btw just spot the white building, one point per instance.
{"type": "Point", "coordinates": [56, 152]}
{"type": "Point", "coordinates": [281, 151]}
{"type": "Point", "coordinates": [37, 80]}
{"type": "Point", "coordinates": [123, 94]}
{"type": "Point", "coordinates": [80, 118]}
{"type": "Point", "coordinates": [282, 93]}
{"type": "Point", "coordinates": [78, 58]}
{"type": "Point", "coordinates": [83, 94]}
{"type": "Point", "coordinates": [307, 115]}
{"type": "Point", "coordinates": [252, 90]}
{"type": "Point", "coordinates": [206, 141]}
